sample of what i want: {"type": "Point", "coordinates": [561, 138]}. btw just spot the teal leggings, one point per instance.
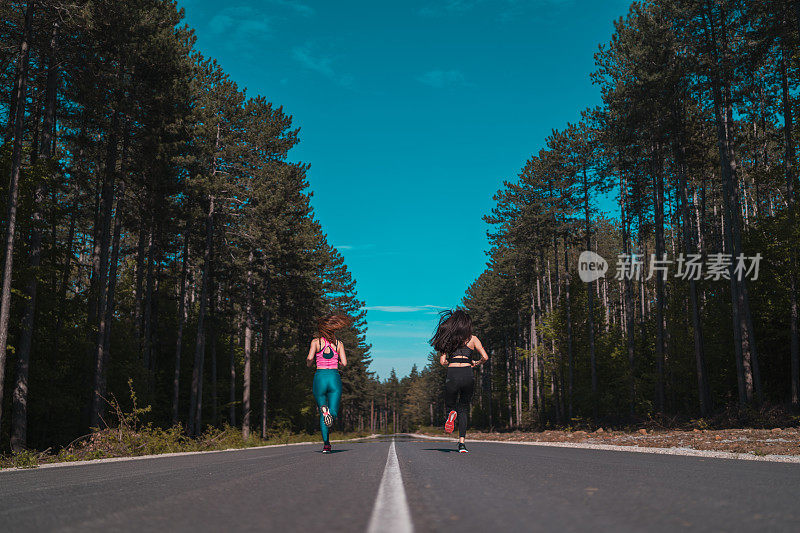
{"type": "Point", "coordinates": [327, 390]}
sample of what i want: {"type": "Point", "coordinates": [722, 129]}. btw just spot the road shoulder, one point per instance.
{"type": "Point", "coordinates": [689, 452]}
{"type": "Point", "coordinates": [175, 454]}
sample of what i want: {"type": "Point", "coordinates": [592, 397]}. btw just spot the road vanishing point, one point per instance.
{"type": "Point", "coordinates": [403, 483]}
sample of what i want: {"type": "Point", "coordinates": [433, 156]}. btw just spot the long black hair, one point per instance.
{"type": "Point", "coordinates": [454, 329]}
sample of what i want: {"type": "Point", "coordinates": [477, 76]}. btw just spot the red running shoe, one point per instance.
{"type": "Point", "coordinates": [450, 425]}
{"type": "Point", "coordinates": [327, 417]}
{"type": "Point", "coordinates": [326, 448]}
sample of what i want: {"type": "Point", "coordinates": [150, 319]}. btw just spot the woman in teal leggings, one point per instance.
{"type": "Point", "coordinates": [328, 353]}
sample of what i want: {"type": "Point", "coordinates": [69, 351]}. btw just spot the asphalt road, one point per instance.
{"type": "Point", "coordinates": [496, 487]}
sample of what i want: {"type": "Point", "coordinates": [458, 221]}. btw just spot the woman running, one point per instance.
{"type": "Point", "coordinates": [328, 353]}
{"type": "Point", "coordinates": [457, 346]}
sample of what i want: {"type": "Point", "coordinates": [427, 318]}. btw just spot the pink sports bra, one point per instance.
{"type": "Point", "coordinates": [329, 358]}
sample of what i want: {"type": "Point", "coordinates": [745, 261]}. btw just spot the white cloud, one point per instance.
{"type": "Point", "coordinates": [394, 308]}
{"type": "Point", "coordinates": [245, 23]}
{"type": "Point", "coordinates": [242, 22]}
{"type": "Point", "coordinates": [504, 10]}
{"type": "Point", "coordinates": [440, 79]}
{"type": "Point", "coordinates": [297, 7]}
{"type": "Point", "coordinates": [320, 63]}
{"type": "Point", "coordinates": [448, 6]}
{"type": "Point", "coordinates": [354, 247]}
{"type": "Point", "coordinates": [394, 353]}
{"type": "Point", "coordinates": [397, 333]}
{"type": "Point", "coordinates": [404, 308]}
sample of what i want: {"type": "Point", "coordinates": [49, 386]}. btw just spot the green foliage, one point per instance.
{"type": "Point", "coordinates": [669, 75]}
{"type": "Point", "coordinates": [216, 236]}
{"type": "Point", "coordinates": [130, 435]}
{"type": "Point", "coordinates": [23, 459]}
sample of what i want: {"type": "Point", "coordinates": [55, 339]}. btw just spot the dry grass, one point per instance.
{"type": "Point", "coordinates": [777, 441]}
{"type": "Point", "coordinates": [130, 437]}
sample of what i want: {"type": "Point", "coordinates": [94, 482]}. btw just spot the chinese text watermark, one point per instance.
{"type": "Point", "coordinates": [717, 266]}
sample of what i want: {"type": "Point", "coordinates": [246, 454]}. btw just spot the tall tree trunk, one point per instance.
{"type": "Point", "coordinates": [111, 297]}
{"type": "Point", "coordinates": [19, 420]}
{"type": "Point", "coordinates": [658, 208]}
{"type": "Point", "coordinates": [750, 348]}
{"type": "Point", "coordinates": [198, 414]}
{"type": "Point", "coordinates": [590, 300]}
{"type": "Point", "coordinates": [106, 212]}
{"type": "Point", "coordinates": [558, 372]}
{"type": "Point", "coordinates": [518, 370]}
{"type": "Point", "coordinates": [176, 377]}
{"type": "Point", "coordinates": [63, 284]}
{"type": "Point", "coordinates": [153, 342]}
{"type": "Point", "coordinates": [147, 299]}
{"type": "Point", "coordinates": [630, 318]}
{"type": "Point", "coordinates": [556, 268]}
{"type": "Point", "coordinates": [211, 342]}
{"type": "Point", "coordinates": [21, 95]}
{"type": "Point", "coordinates": [519, 343]}
{"type": "Point", "coordinates": [508, 384]}
{"type": "Point", "coordinates": [19, 410]}
{"type": "Point", "coordinates": [138, 311]}
{"type": "Point", "coordinates": [110, 303]}
{"type": "Point", "coordinates": [720, 84]}
{"type": "Point", "coordinates": [232, 374]}
{"type": "Point", "coordinates": [534, 385]}
{"type": "Point", "coordinates": [607, 306]}
{"type": "Point", "coordinates": [248, 343]}
{"type": "Point", "coordinates": [568, 305]}
{"type": "Point", "coordinates": [264, 368]}
{"type": "Point", "coordinates": [93, 296]}
{"type": "Point", "coordinates": [789, 159]}
{"type": "Point", "coordinates": [214, 395]}
{"type": "Point", "coordinates": [703, 391]}
{"type": "Point", "coordinates": [199, 352]}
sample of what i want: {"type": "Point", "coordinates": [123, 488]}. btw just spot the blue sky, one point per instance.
{"type": "Point", "coordinates": [412, 114]}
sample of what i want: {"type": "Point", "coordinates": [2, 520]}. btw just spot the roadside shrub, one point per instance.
{"type": "Point", "coordinates": [131, 436]}
{"type": "Point", "coordinates": [25, 459]}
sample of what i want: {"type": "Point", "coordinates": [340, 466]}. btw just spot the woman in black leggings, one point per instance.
{"type": "Point", "coordinates": [457, 346]}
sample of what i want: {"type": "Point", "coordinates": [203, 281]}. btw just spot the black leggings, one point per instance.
{"type": "Point", "coordinates": [458, 394]}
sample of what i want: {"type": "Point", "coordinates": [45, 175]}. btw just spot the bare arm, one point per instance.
{"type": "Point", "coordinates": [443, 359]}
{"type": "Point", "coordinates": [312, 350]}
{"type": "Point", "coordinates": [342, 356]}
{"type": "Point", "coordinates": [479, 347]}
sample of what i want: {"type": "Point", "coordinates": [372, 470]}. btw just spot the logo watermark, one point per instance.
{"type": "Point", "coordinates": [591, 266]}
{"type": "Point", "coordinates": [718, 266]}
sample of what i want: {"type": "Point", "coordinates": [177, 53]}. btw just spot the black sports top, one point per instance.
{"type": "Point", "coordinates": [462, 354]}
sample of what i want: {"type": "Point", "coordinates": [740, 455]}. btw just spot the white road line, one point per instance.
{"type": "Point", "coordinates": [390, 513]}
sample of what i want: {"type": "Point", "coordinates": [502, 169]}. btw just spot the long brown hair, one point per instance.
{"type": "Point", "coordinates": [328, 324]}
